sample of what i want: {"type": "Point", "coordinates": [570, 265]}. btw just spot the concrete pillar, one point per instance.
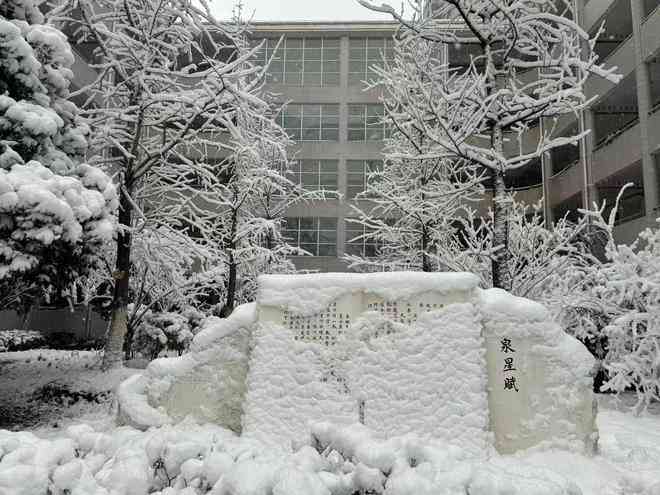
{"type": "Point", "coordinates": [586, 122]}
{"type": "Point", "coordinates": [343, 137]}
{"type": "Point", "coordinates": [649, 171]}
{"type": "Point", "coordinates": [589, 190]}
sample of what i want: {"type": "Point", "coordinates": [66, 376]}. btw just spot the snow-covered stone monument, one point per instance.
{"type": "Point", "coordinates": [428, 354]}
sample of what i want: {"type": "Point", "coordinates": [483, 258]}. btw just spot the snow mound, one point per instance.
{"type": "Point", "coordinates": [208, 382]}
{"type": "Point", "coordinates": [190, 459]}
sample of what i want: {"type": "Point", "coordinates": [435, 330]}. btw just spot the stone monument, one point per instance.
{"type": "Point", "coordinates": [428, 354]}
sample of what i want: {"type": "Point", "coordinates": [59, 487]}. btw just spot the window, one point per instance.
{"type": "Point", "coordinates": [566, 155]}
{"type": "Point", "coordinates": [315, 175]}
{"type": "Point", "coordinates": [618, 27]}
{"type": "Point", "coordinates": [649, 6]}
{"type": "Point", "coordinates": [365, 247]}
{"type": "Point", "coordinates": [311, 122]}
{"type": "Point", "coordinates": [461, 55]}
{"type": "Point", "coordinates": [524, 177]}
{"type": "Point", "coordinates": [569, 208]}
{"type": "Point", "coordinates": [654, 81]}
{"type": "Point", "coordinates": [366, 123]}
{"type": "Point", "coordinates": [616, 111]}
{"type": "Point", "coordinates": [357, 175]}
{"type": "Point", "coordinates": [631, 204]}
{"type": "Point", "coordinates": [301, 61]}
{"type": "Point", "coordinates": [316, 235]}
{"type": "Point", "coordinates": [363, 54]}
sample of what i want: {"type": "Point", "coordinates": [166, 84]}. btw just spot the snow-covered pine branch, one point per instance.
{"type": "Point", "coordinates": [56, 212]}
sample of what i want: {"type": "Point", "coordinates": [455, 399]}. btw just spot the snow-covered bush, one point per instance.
{"type": "Point", "coordinates": [55, 211]}
{"type": "Point", "coordinates": [20, 340]}
{"type": "Point", "coordinates": [159, 331]}
{"type": "Point", "coordinates": [629, 287]}
{"type": "Point", "coordinates": [52, 228]}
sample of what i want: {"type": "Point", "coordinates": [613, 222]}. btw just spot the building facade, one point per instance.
{"type": "Point", "coordinates": [319, 69]}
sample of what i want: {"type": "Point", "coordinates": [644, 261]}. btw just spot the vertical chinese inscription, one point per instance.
{"type": "Point", "coordinates": [509, 369]}
{"type": "Point", "coordinates": [325, 327]}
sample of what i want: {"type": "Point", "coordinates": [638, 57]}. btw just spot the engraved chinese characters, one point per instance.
{"type": "Point", "coordinates": [510, 378]}
{"type": "Point", "coordinates": [324, 327]}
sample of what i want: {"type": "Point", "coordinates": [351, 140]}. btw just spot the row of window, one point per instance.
{"type": "Point", "coordinates": [315, 175]}
{"type": "Point", "coordinates": [315, 61]}
{"type": "Point", "coordinates": [311, 122]}
{"type": "Point", "coordinates": [318, 236]}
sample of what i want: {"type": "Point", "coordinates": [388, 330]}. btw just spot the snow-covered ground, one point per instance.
{"type": "Point", "coordinates": [44, 387]}
{"type": "Point", "coordinates": [78, 450]}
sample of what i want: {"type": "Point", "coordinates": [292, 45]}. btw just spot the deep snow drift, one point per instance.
{"type": "Point", "coordinates": [189, 459]}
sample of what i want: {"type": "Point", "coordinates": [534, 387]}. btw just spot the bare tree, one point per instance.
{"type": "Point", "coordinates": [414, 206]}
{"type": "Point", "coordinates": [531, 62]}
{"type": "Point", "coordinates": [172, 85]}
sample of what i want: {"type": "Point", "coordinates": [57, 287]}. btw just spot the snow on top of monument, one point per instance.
{"type": "Point", "coordinates": [311, 293]}
{"type": "Point", "coordinates": [215, 329]}
{"type": "Point", "coordinates": [499, 301]}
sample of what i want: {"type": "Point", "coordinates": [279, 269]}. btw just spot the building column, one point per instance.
{"type": "Point", "coordinates": [343, 136]}
{"type": "Point", "coordinates": [649, 172]}
{"type": "Point", "coordinates": [586, 123]}
{"type": "Point", "coordinates": [589, 190]}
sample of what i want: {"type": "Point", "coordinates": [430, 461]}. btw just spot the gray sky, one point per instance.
{"type": "Point", "coordinates": [301, 10]}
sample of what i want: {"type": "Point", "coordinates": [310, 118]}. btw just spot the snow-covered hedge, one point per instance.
{"type": "Point", "coordinates": [192, 460]}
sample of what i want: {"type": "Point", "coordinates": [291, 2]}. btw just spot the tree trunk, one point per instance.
{"type": "Point", "coordinates": [231, 281]}
{"type": "Point", "coordinates": [231, 288]}
{"type": "Point", "coordinates": [500, 260]}
{"type": "Point", "coordinates": [427, 266]}
{"type": "Point", "coordinates": [114, 344]}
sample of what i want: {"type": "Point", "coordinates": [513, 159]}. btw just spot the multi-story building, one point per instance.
{"type": "Point", "coordinates": [319, 69]}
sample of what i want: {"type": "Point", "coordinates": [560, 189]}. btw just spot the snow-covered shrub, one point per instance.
{"type": "Point", "coordinates": [52, 228]}
{"type": "Point", "coordinates": [159, 331]}
{"type": "Point", "coordinates": [55, 211]}
{"type": "Point", "coordinates": [629, 287]}
{"type": "Point", "coordinates": [20, 340]}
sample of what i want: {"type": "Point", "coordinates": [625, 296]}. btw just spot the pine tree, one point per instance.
{"type": "Point", "coordinates": [56, 211]}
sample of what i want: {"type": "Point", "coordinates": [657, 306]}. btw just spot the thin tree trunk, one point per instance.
{"type": "Point", "coordinates": [231, 288]}
{"type": "Point", "coordinates": [499, 263]}
{"type": "Point", "coordinates": [114, 345]}
{"type": "Point", "coordinates": [426, 261]}
{"type": "Point", "coordinates": [231, 282]}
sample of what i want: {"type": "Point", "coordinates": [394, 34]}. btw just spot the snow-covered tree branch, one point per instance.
{"type": "Point", "coordinates": [531, 62]}
{"type": "Point", "coordinates": [169, 108]}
